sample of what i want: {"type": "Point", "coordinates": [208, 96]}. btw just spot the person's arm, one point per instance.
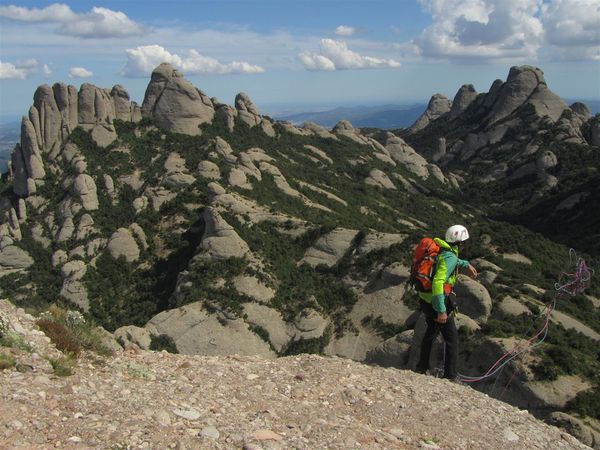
{"type": "Point", "coordinates": [464, 264]}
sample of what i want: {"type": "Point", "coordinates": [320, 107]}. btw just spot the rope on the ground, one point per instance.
{"type": "Point", "coordinates": [568, 285]}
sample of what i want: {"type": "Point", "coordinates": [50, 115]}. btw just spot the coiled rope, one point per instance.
{"type": "Point", "coordinates": [568, 285]}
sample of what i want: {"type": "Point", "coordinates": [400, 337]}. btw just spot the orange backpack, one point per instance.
{"type": "Point", "coordinates": [423, 264]}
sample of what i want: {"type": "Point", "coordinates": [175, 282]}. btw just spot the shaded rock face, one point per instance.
{"type": "Point", "coordinates": [13, 259]}
{"type": "Point", "coordinates": [526, 84]}
{"type": "Point", "coordinates": [576, 427]}
{"type": "Point", "coordinates": [380, 179]}
{"type": "Point", "coordinates": [130, 335]}
{"type": "Point", "coordinates": [464, 97]}
{"type": "Point", "coordinates": [404, 154]}
{"type": "Point", "coordinates": [175, 103]}
{"type": "Point", "coordinates": [85, 188]}
{"type": "Point", "coordinates": [220, 240]}
{"type": "Point", "coordinates": [437, 107]}
{"type": "Point", "coordinates": [329, 249]}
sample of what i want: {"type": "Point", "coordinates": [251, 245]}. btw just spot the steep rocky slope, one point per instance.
{"type": "Point", "coordinates": [139, 399]}
{"type": "Point", "coordinates": [218, 231]}
{"type": "Point", "coordinates": [521, 151]}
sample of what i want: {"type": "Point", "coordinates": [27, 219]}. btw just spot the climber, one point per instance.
{"type": "Point", "coordinates": [437, 304]}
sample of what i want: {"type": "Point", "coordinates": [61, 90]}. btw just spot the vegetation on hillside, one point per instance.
{"type": "Point", "coordinates": [121, 293]}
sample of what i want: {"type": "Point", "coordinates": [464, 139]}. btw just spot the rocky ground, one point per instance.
{"type": "Point", "coordinates": [143, 399]}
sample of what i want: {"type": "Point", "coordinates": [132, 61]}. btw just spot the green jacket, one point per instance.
{"type": "Point", "coordinates": [446, 272]}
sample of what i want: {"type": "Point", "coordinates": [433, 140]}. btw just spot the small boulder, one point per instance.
{"type": "Point", "coordinates": [253, 288]}
{"type": "Point", "coordinates": [85, 188]}
{"type": "Point", "coordinates": [13, 259]}
{"type": "Point", "coordinates": [473, 299]}
{"type": "Point", "coordinates": [220, 240]}
{"type": "Point", "coordinates": [122, 243]}
{"type": "Point", "coordinates": [380, 179]}
{"type": "Point", "coordinates": [209, 170]}
{"type": "Point", "coordinates": [73, 270]}
{"type": "Point", "coordinates": [76, 292]}
{"type": "Point", "coordinates": [130, 334]}
{"type": "Point", "coordinates": [309, 324]}
{"type": "Point", "coordinates": [329, 249]}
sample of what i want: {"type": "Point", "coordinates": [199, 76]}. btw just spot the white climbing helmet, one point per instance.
{"type": "Point", "coordinates": [456, 234]}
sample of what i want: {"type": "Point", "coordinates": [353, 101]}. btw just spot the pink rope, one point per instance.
{"type": "Point", "coordinates": [576, 283]}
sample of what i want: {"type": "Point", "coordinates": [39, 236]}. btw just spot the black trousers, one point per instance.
{"type": "Point", "coordinates": [450, 335]}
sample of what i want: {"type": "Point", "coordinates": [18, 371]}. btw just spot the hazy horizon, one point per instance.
{"type": "Point", "coordinates": [299, 53]}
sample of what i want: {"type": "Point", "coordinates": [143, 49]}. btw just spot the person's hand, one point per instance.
{"type": "Point", "coordinates": [472, 271]}
{"type": "Point", "coordinates": [441, 318]}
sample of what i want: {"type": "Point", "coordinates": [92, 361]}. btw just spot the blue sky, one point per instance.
{"type": "Point", "coordinates": [302, 54]}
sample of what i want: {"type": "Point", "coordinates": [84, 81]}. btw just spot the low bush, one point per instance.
{"type": "Point", "coordinates": [6, 361]}
{"type": "Point", "coordinates": [63, 366]}
{"type": "Point", "coordinates": [14, 340]}
{"type": "Point", "coordinates": [384, 329]}
{"type": "Point", "coordinates": [61, 336]}
{"type": "Point", "coordinates": [163, 342]}
{"type": "Point", "coordinates": [315, 345]}
{"type": "Point", "coordinates": [80, 333]}
{"type": "Point", "coordinates": [261, 332]}
{"type": "Point", "coordinates": [587, 403]}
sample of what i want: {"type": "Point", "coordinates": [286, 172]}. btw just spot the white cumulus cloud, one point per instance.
{"type": "Point", "coordinates": [79, 72]}
{"type": "Point", "coordinates": [9, 71]}
{"type": "Point", "coordinates": [572, 28]}
{"type": "Point", "coordinates": [57, 12]}
{"type": "Point", "coordinates": [46, 71]}
{"type": "Point", "coordinates": [142, 60]}
{"type": "Point", "coordinates": [345, 30]}
{"type": "Point", "coordinates": [335, 55]}
{"type": "Point", "coordinates": [481, 29]}
{"type": "Point", "coordinates": [97, 23]}
{"type": "Point", "coordinates": [20, 70]}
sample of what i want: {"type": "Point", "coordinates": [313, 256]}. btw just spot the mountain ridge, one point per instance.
{"type": "Point", "coordinates": [381, 116]}
{"type": "Point", "coordinates": [229, 232]}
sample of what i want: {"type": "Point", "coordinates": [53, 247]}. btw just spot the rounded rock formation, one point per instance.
{"type": "Point", "coordinates": [175, 103]}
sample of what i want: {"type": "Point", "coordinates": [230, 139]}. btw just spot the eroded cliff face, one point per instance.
{"type": "Point", "coordinates": [512, 133]}
{"type": "Point", "coordinates": [55, 113]}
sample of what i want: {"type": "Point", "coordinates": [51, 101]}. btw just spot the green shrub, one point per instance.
{"type": "Point", "coordinates": [315, 345]}
{"type": "Point", "coordinates": [63, 366]}
{"type": "Point", "coordinates": [14, 340]}
{"type": "Point", "coordinates": [384, 329]}
{"type": "Point", "coordinates": [163, 342]}
{"type": "Point", "coordinates": [261, 332]}
{"type": "Point", "coordinates": [6, 361]}
{"type": "Point", "coordinates": [586, 403]}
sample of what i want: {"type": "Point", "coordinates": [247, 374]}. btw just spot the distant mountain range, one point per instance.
{"type": "Point", "coordinates": [388, 116]}
{"type": "Point", "coordinates": [383, 116]}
